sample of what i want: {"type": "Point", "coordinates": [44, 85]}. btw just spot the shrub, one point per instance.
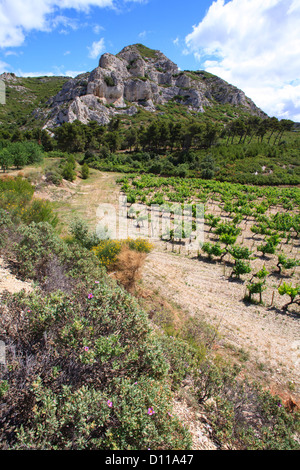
{"type": "Point", "coordinates": [16, 198]}
{"type": "Point", "coordinates": [81, 234]}
{"type": "Point", "coordinates": [53, 177]}
{"type": "Point", "coordinates": [286, 263]}
{"type": "Point", "coordinates": [292, 292]}
{"type": "Point", "coordinates": [85, 171]}
{"type": "Point", "coordinates": [107, 252]}
{"type": "Point", "coordinates": [240, 267]}
{"type": "Point", "coordinates": [97, 376]}
{"type": "Point", "coordinates": [109, 81]}
{"type": "Point", "coordinates": [213, 249]}
{"type": "Point", "coordinates": [68, 172]}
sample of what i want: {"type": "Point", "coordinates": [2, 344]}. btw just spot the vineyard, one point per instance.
{"type": "Point", "coordinates": [252, 231]}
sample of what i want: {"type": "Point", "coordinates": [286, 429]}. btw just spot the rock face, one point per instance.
{"type": "Point", "coordinates": [136, 77]}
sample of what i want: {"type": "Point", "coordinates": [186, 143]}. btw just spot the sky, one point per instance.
{"type": "Point", "coordinates": [252, 44]}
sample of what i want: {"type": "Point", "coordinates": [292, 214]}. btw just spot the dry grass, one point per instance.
{"type": "Point", "coordinates": [128, 268]}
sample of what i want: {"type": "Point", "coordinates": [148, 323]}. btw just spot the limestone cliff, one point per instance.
{"type": "Point", "coordinates": [135, 77]}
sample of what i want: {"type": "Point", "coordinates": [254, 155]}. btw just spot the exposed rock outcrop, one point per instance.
{"type": "Point", "coordinates": [135, 77]}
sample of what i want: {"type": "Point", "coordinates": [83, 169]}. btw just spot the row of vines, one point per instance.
{"type": "Point", "coordinates": [252, 231]}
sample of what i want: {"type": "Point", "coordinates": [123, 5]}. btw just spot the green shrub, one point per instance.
{"type": "Point", "coordinates": [17, 199]}
{"type": "Point", "coordinates": [68, 172]}
{"type": "Point", "coordinates": [213, 249]}
{"type": "Point", "coordinates": [97, 375]}
{"type": "Point", "coordinates": [85, 171]}
{"type": "Point", "coordinates": [109, 81]}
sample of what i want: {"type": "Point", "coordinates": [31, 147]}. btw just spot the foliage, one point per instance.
{"type": "Point", "coordinates": [17, 199]}
{"type": "Point", "coordinates": [68, 172]}
{"type": "Point", "coordinates": [240, 267]}
{"type": "Point", "coordinates": [291, 291]}
{"type": "Point", "coordinates": [107, 251]}
{"type": "Point", "coordinates": [85, 171]}
{"type": "Point", "coordinates": [257, 286]}
{"type": "Point", "coordinates": [286, 263]}
{"type": "Point", "coordinates": [213, 249]}
{"type": "Point", "coordinates": [97, 336]}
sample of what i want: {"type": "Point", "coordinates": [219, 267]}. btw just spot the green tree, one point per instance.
{"type": "Point", "coordinates": [70, 137]}
{"type": "Point", "coordinates": [132, 137]}
{"type": "Point", "coordinates": [85, 171]}
{"type": "Point", "coordinates": [18, 153]}
{"type": "Point", "coordinates": [208, 167]}
{"type": "Point", "coordinates": [68, 172]}
{"type": "Point", "coordinates": [112, 139]}
{"type": "Point", "coordinates": [6, 159]}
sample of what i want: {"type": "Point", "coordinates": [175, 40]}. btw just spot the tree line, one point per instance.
{"type": "Point", "coordinates": [158, 135]}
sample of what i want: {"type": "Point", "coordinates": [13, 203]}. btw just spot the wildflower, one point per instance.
{"type": "Point", "coordinates": [150, 411]}
{"type": "Point", "coordinates": [90, 296]}
{"type": "Point", "coordinates": [86, 348]}
{"type": "Point", "coordinates": [96, 282]}
{"type": "Point", "coordinates": [109, 403]}
{"type": "Point", "coordinates": [170, 414]}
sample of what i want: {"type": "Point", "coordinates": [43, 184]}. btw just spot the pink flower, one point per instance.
{"type": "Point", "coordinates": [86, 348]}
{"type": "Point", "coordinates": [150, 411]}
{"type": "Point", "coordinates": [90, 296]}
{"type": "Point", "coordinates": [96, 282]}
{"type": "Point", "coordinates": [109, 403]}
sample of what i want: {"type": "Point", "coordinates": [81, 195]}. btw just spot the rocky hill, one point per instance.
{"type": "Point", "coordinates": [23, 95]}
{"type": "Point", "coordinates": [134, 78]}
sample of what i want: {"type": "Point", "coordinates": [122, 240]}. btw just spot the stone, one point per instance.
{"type": "Point", "coordinates": [138, 77]}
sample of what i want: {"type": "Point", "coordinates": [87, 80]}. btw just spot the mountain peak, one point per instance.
{"type": "Point", "coordinates": [140, 77]}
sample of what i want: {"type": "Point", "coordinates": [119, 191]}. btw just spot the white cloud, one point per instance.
{"type": "Point", "coordinates": [58, 72]}
{"type": "Point", "coordinates": [74, 73]}
{"type": "Point", "coordinates": [144, 34]}
{"type": "Point", "coordinates": [254, 45]}
{"type": "Point", "coordinates": [3, 66]}
{"type": "Point", "coordinates": [96, 49]}
{"type": "Point", "coordinates": [97, 28]}
{"type": "Point", "coordinates": [19, 17]}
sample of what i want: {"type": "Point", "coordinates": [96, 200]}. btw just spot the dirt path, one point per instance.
{"type": "Point", "coordinates": [269, 340]}
{"type": "Point", "coordinates": [8, 282]}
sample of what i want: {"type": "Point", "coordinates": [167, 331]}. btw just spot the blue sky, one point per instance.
{"type": "Point", "coordinates": [253, 44]}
